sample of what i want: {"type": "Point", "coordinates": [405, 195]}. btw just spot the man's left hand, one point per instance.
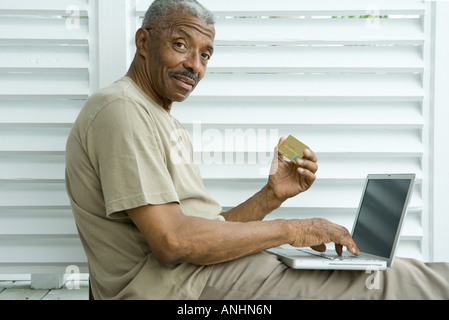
{"type": "Point", "coordinates": [288, 179]}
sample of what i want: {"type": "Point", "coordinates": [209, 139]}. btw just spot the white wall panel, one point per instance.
{"type": "Point", "coordinates": [322, 87]}
{"type": "Point", "coordinates": [439, 115]}
{"type": "Point", "coordinates": [44, 8]}
{"type": "Point", "coordinates": [295, 31]}
{"type": "Point", "coordinates": [44, 81]}
{"type": "Point", "coordinates": [42, 111]}
{"type": "Point", "coordinates": [350, 88]}
{"type": "Point", "coordinates": [51, 30]}
{"type": "Point", "coordinates": [300, 8]}
{"type": "Point", "coordinates": [316, 59]}
{"type": "Point", "coordinates": [354, 89]}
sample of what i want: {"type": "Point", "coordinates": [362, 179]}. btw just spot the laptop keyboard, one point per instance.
{"type": "Point", "coordinates": [347, 256]}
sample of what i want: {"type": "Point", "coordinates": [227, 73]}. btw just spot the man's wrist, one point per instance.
{"type": "Point", "coordinates": [271, 201]}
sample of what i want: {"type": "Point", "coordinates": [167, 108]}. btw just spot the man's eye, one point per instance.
{"type": "Point", "coordinates": [180, 45]}
{"type": "Point", "coordinates": [206, 56]}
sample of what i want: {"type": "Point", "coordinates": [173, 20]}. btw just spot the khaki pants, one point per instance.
{"type": "Point", "coordinates": [263, 277]}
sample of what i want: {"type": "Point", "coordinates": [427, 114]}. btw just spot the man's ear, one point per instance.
{"type": "Point", "coordinates": [142, 41]}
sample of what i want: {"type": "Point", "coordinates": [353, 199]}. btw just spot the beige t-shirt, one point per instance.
{"type": "Point", "coordinates": [125, 151]}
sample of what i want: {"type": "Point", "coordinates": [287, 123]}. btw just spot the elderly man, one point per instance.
{"type": "Point", "coordinates": [149, 227]}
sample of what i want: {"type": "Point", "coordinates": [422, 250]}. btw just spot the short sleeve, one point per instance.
{"type": "Point", "coordinates": [126, 151]}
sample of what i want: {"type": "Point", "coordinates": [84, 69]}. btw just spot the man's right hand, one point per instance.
{"type": "Point", "coordinates": [315, 233]}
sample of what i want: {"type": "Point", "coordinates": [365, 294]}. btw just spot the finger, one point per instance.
{"type": "Point", "coordinates": [310, 155]}
{"type": "Point", "coordinates": [345, 240]}
{"type": "Point", "coordinates": [354, 250]}
{"type": "Point", "coordinates": [276, 149]}
{"type": "Point", "coordinates": [339, 249]}
{"type": "Point", "coordinates": [307, 164]}
{"type": "Point", "coordinates": [281, 141]}
{"type": "Point", "coordinates": [306, 175]}
{"type": "Point", "coordinates": [319, 248]}
{"type": "Point", "coordinates": [350, 244]}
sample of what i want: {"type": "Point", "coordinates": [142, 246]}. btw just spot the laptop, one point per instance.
{"type": "Point", "coordinates": [376, 229]}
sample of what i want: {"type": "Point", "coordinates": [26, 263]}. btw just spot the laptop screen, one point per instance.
{"type": "Point", "coordinates": [380, 215]}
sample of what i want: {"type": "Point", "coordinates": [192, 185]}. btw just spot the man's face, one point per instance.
{"type": "Point", "coordinates": [178, 57]}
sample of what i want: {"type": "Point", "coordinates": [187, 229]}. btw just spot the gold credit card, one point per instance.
{"type": "Point", "coordinates": [292, 148]}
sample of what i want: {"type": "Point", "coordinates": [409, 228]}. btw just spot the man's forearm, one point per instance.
{"type": "Point", "coordinates": [176, 238]}
{"type": "Point", "coordinates": [255, 208]}
{"type": "Point", "coordinates": [204, 242]}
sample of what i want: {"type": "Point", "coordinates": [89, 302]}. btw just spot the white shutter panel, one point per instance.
{"type": "Point", "coordinates": [44, 81]}
{"type": "Point", "coordinates": [354, 89]}
{"type": "Point", "coordinates": [350, 87]}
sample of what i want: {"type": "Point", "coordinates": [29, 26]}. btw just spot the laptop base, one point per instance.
{"type": "Point", "coordinates": [302, 259]}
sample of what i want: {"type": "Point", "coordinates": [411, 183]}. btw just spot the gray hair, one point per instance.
{"type": "Point", "coordinates": [160, 9]}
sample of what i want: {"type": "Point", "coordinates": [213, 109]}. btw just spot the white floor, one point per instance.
{"type": "Point", "coordinates": [21, 290]}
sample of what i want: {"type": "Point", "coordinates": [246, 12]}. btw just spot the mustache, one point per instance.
{"type": "Point", "coordinates": [188, 74]}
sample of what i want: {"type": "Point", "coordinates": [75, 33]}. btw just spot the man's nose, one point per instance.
{"type": "Point", "coordinates": [193, 63]}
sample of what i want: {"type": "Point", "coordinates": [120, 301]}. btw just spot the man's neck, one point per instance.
{"type": "Point", "coordinates": [135, 76]}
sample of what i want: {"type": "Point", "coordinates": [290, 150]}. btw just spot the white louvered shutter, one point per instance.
{"type": "Point", "coordinates": [44, 81]}
{"type": "Point", "coordinates": [351, 88]}
{"type": "Point", "coordinates": [355, 90]}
